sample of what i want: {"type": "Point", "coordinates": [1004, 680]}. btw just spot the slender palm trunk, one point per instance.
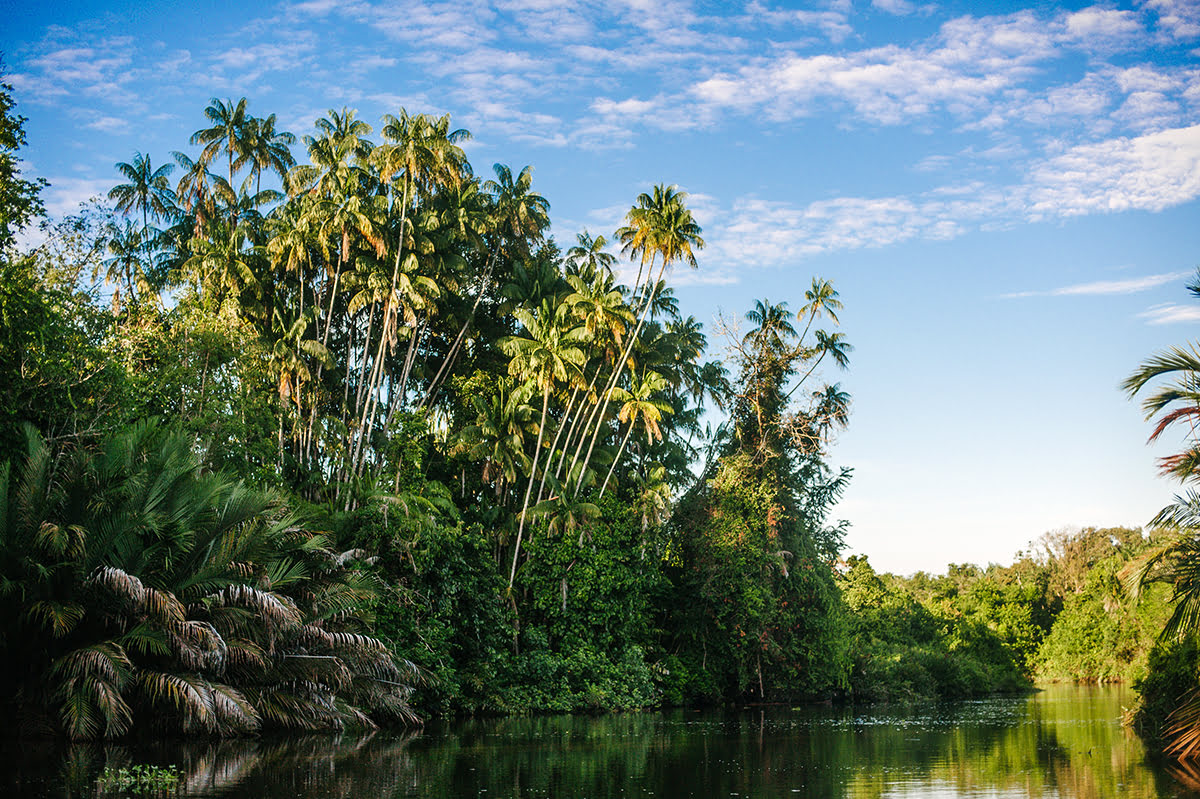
{"type": "Point", "coordinates": [389, 314]}
{"type": "Point", "coordinates": [620, 366]}
{"type": "Point", "coordinates": [554, 445]}
{"type": "Point", "coordinates": [617, 459]}
{"type": "Point", "coordinates": [452, 353]}
{"type": "Point", "coordinates": [575, 422]}
{"type": "Point", "coordinates": [512, 575]}
{"type": "Point", "coordinates": [366, 358]}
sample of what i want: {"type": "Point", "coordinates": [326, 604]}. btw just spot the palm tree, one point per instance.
{"type": "Point", "coordinates": [141, 589]}
{"type": "Point", "coordinates": [548, 353]}
{"type": "Point", "coordinates": [227, 132]}
{"type": "Point", "coordinates": [772, 325]}
{"type": "Point", "coordinates": [1177, 401]}
{"type": "Point", "coordinates": [522, 214]}
{"type": "Point", "coordinates": [148, 189]}
{"type": "Point", "coordinates": [519, 218]}
{"type": "Point", "coordinates": [265, 148]}
{"type": "Point", "coordinates": [1177, 561]}
{"type": "Point", "coordinates": [497, 438]}
{"type": "Point", "coordinates": [225, 262]}
{"type": "Point", "coordinates": [288, 364]}
{"type": "Point", "coordinates": [587, 258]}
{"type": "Point", "coordinates": [639, 404]}
{"type": "Point", "coordinates": [820, 299]}
{"type": "Point", "coordinates": [659, 225]}
{"type": "Point", "coordinates": [126, 251]}
{"type": "Point", "coordinates": [193, 192]}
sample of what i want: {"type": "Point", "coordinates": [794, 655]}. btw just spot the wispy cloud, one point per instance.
{"type": "Point", "coordinates": [1104, 287]}
{"type": "Point", "coordinates": [1169, 313]}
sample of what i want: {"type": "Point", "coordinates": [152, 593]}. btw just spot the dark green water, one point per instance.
{"type": "Point", "coordinates": [1061, 742]}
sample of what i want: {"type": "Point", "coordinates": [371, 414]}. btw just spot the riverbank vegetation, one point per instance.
{"type": "Point", "coordinates": [327, 432]}
{"type": "Point", "coordinates": [1168, 715]}
{"type": "Point", "coordinates": [287, 440]}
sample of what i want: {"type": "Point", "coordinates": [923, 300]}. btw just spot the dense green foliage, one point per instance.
{"type": "Point", "coordinates": [905, 651]}
{"type": "Point", "coordinates": [381, 344]}
{"type": "Point", "coordinates": [1101, 634]}
{"type": "Point", "coordinates": [1169, 711]}
{"type": "Point", "coordinates": [501, 441]}
{"type": "Point", "coordinates": [141, 589]}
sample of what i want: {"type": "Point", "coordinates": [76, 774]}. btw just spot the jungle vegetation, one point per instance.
{"type": "Point", "coordinates": [1168, 715]}
{"type": "Point", "coordinates": [327, 431]}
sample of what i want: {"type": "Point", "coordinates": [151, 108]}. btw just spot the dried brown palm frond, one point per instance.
{"type": "Point", "coordinates": [275, 609]}
{"type": "Point", "coordinates": [188, 697]}
{"type": "Point", "coordinates": [235, 715]}
{"type": "Point", "coordinates": [197, 646]}
{"type": "Point", "coordinates": [312, 636]}
{"type": "Point", "coordinates": [287, 709]}
{"type": "Point", "coordinates": [385, 699]}
{"type": "Point", "coordinates": [244, 657]}
{"type": "Point", "coordinates": [89, 682]}
{"type": "Point", "coordinates": [137, 597]}
{"type": "Point", "coordinates": [353, 717]}
{"type": "Point", "coordinates": [327, 673]}
{"type": "Point", "coordinates": [1182, 733]}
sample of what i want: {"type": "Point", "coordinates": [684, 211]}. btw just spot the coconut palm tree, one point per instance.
{"type": "Point", "coordinates": [587, 258]}
{"type": "Point", "coordinates": [658, 226]}
{"type": "Point", "coordinates": [547, 354]}
{"type": "Point", "coordinates": [147, 191]}
{"type": "Point", "coordinates": [265, 148]}
{"type": "Point", "coordinates": [639, 404]}
{"type": "Point", "coordinates": [125, 264]}
{"type": "Point", "coordinates": [227, 132]}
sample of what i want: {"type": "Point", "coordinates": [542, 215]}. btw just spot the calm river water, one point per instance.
{"type": "Point", "coordinates": [1060, 742]}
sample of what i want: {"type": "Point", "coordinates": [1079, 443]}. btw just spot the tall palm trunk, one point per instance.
{"type": "Point", "coordinates": [583, 433]}
{"type": "Point", "coordinates": [389, 314]}
{"type": "Point", "coordinates": [617, 459]}
{"type": "Point", "coordinates": [512, 575]}
{"type": "Point", "coordinates": [452, 353]}
{"type": "Point", "coordinates": [620, 366]}
{"type": "Point", "coordinates": [554, 445]}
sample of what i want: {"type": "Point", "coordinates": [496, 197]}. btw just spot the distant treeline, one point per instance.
{"type": "Point", "coordinates": [1058, 613]}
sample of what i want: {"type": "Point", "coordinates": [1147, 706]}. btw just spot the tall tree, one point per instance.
{"type": "Point", "coordinates": [147, 191]}
{"type": "Point", "coordinates": [227, 132]}
{"type": "Point", "coordinates": [546, 354]}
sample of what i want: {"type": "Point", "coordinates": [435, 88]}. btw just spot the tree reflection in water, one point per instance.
{"type": "Point", "coordinates": [1063, 742]}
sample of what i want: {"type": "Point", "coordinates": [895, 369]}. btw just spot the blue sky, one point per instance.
{"type": "Point", "coordinates": [1005, 195]}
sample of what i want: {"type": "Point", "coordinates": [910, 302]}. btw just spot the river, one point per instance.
{"type": "Point", "coordinates": [1064, 741]}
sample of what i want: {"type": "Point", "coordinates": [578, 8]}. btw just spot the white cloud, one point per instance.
{"type": "Point", "coordinates": [1169, 313]}
{"type": "Point", "coordinates": [970, 61]}
{"type": "Point", "coordinates": [1150, 172]}
{"type": "Point", "coordinates": [1104, 287]}
{"type": "Point", "coordinates": [894, 6]}
{"type": "Point", "coordinates": [1098, 25]}
{"type": "Point", "coordinates": [64, 195]}
{"type": "Point", "coordinates": [109, 124]}
{"type": "Point", "coordinates": [1178, 19]}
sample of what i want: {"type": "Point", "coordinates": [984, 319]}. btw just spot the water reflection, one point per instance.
{"type": "Point", "coordinates": [1063, 742]}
